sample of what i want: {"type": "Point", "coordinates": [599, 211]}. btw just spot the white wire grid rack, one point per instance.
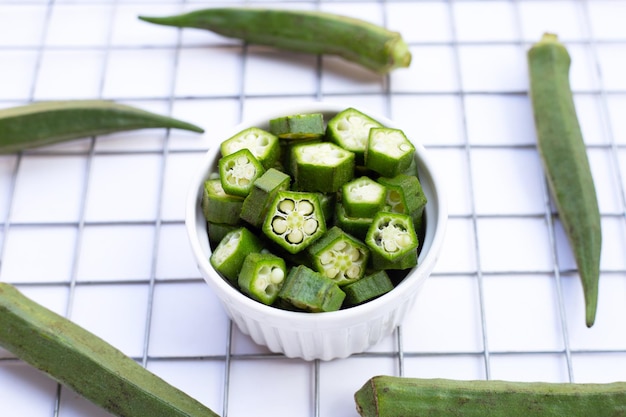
{"type": "Point", "coordinates": [94, 229]}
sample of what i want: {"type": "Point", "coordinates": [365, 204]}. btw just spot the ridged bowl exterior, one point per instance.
{"type": "Point", "coordinates": [329, 335]}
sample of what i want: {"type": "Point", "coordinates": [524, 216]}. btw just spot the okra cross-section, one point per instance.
{"type": "Point", "coordinates": [405, 195]}
{"type": "Point", "coordinates": [350, 129]}
{"type": "Point", "coordinates": [263, 145]}
{"type": "Point", "coordinates": [363, 197]}
{"type": "Point", "coordinates": [238, 172]}
{"type": "Point", "coordinates": [392, 241]}
{"type": "Point", "coordinates": [388, 151]}
{"type": "Point", "coordinates": [228, 256]}
{"type": "Point", "coordinates": [294, 220]}
{"type": "Point", "coordinates": [321, 166]}
{"type": "Point", "coordinates": [262, 275]}
{"type": "Point", "coordinates": [339, 256]}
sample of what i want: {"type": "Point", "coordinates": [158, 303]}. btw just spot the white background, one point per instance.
{"type": "Point", "coordinates": [93, 229]}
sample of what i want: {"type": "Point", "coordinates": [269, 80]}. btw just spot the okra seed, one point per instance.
{"type": "Point", "coordinates": [305, 207]}
{"type": "Point", "coordinates": [326, 258]}
{"type": "Point", "coordinates": [310, 226]}
{"type": "Point", "coordinates": [277, 275]}
{"type": "Point", "coordinates": [353, 272]}
{"type": "Point", "coordinates": [279, 225]}
{"type": "Point", "coordinates": [405, 147]}
{"type": "Point", "coordinates": [331, 272]}
{"type": "Point", "coordinates": [286, 206]}
{"type": "Point", "coordinates": [339, 246]}
{"type": "Point", "coordinates": [296, 236]}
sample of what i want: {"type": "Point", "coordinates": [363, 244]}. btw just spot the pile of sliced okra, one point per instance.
{"type": "Point", "coordinates": [315, 215]}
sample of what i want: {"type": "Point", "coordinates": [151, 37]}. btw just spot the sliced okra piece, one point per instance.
{"type": "Point", "coordinates": [350, 129]}
{"type": "Point", "coordinates": [262, 194]}
{"type": "Point", "coordinates": [367, 288]}
{"type": "Point", "coordinates": [363, 197]}
{"type": "Point", "coordinates": [339, 256]}
{"type": "Point", "coordinates": [298, 126]}
{"type": "Point", "coordinates": [388, 151]}
{"type": "Point", "coordinates": [228, 256]}
{"type": "Point", "coordinates": [217, 231]}
{"type": "Point", "coordinates": [311, 291]}
{"type": "Point", "coordinates": [405, 195]}
{"type": "Point", "coordinates": [263, 145]}
{"type": "Point", "coordinates": [392, 241]}
{"type": "Point", "coordinates": [238, 171]}
{"type": "Point", "coordinates": [218, 206]}
{"type": "Point", "coordinates": [327, 203]}
{"type": "Point", "coordinates": [261, 277]}
{"type": "Point", "coordinates": [356, 226]}
{"type": "Point", "coordinates": [321, 166]}
{"type": "Point", "coordinates": [294, 220]}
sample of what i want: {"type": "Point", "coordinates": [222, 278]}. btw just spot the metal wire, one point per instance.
{"type": "Point", "coordinates": [400, 353]}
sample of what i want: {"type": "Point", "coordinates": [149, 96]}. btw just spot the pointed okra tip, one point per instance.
{"type": "Point", "coordinates": [164, 20]}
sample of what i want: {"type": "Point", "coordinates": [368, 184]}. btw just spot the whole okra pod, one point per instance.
{"type": "Point", "coordinates": [87, 364]}
{"type": "Point", "coordinates": [565, 161]}
{"type": "Point", "coordinates": [49, 122]}
{"type": "Point", "coordinates": [388, 396]}
{"type": "Point", "coordinates": [364, 43]}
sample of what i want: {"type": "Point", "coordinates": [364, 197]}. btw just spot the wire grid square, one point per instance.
{"type": "Point", "coordinates": [468, 105]}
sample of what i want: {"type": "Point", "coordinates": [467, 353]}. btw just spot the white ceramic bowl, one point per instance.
{"type": "Point", "coordinates": [328, 335]}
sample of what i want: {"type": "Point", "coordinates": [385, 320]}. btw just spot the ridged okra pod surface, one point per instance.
{"type": "Point", "coordinates": [49, 122]}
{"type": "Point", "coordinates": [564, 156]}
{"type": "Point", "coordinates": [364, 43]}
{"type": "Point", "coordinates": [388, 396]}
{"type": "Point", "coordinates": [87, 364]}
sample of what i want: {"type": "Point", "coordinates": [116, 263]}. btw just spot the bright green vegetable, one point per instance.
{"type": "Point", "coordinates": [262, 275]}
{"type": "Point", "coordinates": [363, 197]}
{"type": "Point", "coordinates": [321, 166]}
{"type": "Point", "coordinates": [355, 40]}
{"type": "Point", "coordinates": [350, 129]}
{"type": "Point", "coordinates": [311, 291]}
{"type": "Point", "coordinates": [392, 241]}
{"type": "Point", "coordinates": [294, 220]}
{"type": "Point", "coordinates": [405, 195]}
{"type": "Point", "coordinates": [49, 122]}
{"type": "Point", "coordinates": [388, 151]}
{"type": "Point", "coordinates": [388, 396]}
{"type": "Point", "coordinates": [563, 152]}
{"type": "Point", "coordinates": [263, 145]}
{"type": "Point", "coordinates": [238, 171]}
{"type": "Point", "coordinates": [367, 288]}
{"type": "Point", "coordinates": [230, 253]}
{"type": "Point", "coordinates": [87, 364]}
{"type": "Point", "coordinates": [217, 231]}
{"type": "Point", "coordinates": [219, 207]}
{"type": "Point", "coordinates": [262, 194]}
{"type": "Point", "coordinates": [299, 126]}
{"type": "Point", "coordinates": [339, 256]}
{"type": "Point", "coordinates": [356, 226]}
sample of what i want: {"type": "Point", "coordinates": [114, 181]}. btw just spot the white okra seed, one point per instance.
{"type": "Point", "coordinates": [279, 225]}
{"type": "Point", "coordinates": [305, 207]}
{"type": "Point", "coordinates": [295, 236]}
{"type": "Point", "coordinates": [310, 226]}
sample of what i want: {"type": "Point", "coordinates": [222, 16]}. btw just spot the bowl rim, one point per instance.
{"type": "Point", "coordinates": [360, 313]}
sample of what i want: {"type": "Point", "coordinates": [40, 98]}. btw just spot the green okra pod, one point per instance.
{"type": "Point", "coordinates": [49, 122]}
{"type": "Point", "coordinates": [563, 153]}
{"type": "Point", "coordinates": [388, 396]}
{"type": "Point", "coordinates": [364, 43]}
{"type": "Point", "coordinates": [87, 364]}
